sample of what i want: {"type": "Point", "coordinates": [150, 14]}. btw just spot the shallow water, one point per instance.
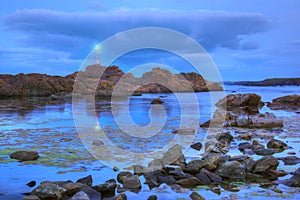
{"type": "Point", "coordinates": [48, 127]}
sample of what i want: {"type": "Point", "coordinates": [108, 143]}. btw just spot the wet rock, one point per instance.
{"type": "Point", "coordinates": [276, 144]}
{"type": "Point", "coordinates": [174, 156]}
{"type": "Point", "coordinates": [80, 196]}
{"type": "Point", "coordinates": [31, 183]}
{"type": "Point", "coordinates": [179, 174]}
{"type": "Point", "coordinates": [265, 164]}
{"type": "Point", "coordinates": [194, 166]}
{"type": "Point", "coordinates": [121, 197]}
{"type": "Point", "coordinates": [215, 178]}
{"type": "Point", "coordinates": [49, 191]}
{"type": "Point", "coordinates": [71, 188]}
{"type": "Point", "coordinates": [197, 146]}
{"type": "Point", "coordinates": [290, 102]}
{"type": "Point", "coordinates": [203, 177]}
{"type": "Point", "coordinates": [244, 145]}
{"type": "Point", "coordinates": [93, 194]}
{"type": "Point", "coordinates": [227, 137]}
{"type": "Point", "coordinates": [156, 164]}
{"type": "Point", "coordinates": [245, 136]}
{"type": "Point", "coordinates": [240, 100]}
{"type": "Point", "coordinates": [88, 180]}
{"type": "Point", "coordinates": [196, 196]}
{"type": "Point", "coordinates": [151, 178]}
{"type": "Point", "coordinates": [211, 161]}
{"type": "Point", "coordinates": [24, 155]}
{"type": "Point", "coordinates": [290, 160]}
{"type": "Point", "coordinates": [189, 182]}
{"type": "Point", "coordinates": [264, 152]}
{"type": "Point", "coordinates": [232, 170]}
{"type": "Point", "coordinates": [169, 180]}
{"type": "Point", "coordinates": [106, 189]}
{"type": "Point", "coordinates": [31, 197]}
{"type": "Point", "coordinates": [132, 182]}
{"type": "Point", "coordinates": [152, 197]}
{"type": "Point", "coordinates": [157, 101]}
{"type": "Point", "coordinates": [169, 168]}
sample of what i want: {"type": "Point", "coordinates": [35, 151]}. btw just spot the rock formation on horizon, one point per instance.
{"type": "Point", "coordinates": [156, 81]}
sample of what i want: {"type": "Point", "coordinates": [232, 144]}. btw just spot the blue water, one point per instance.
{"type": "Point", "coordinates": [42, 125]}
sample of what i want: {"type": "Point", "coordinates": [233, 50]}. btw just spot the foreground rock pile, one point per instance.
{"type": "Point", "coordinates": [242, 110]}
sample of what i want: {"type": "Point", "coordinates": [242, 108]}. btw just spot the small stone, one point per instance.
{"type": "Point", "coordinates": [196, 196]}
{"type": "Point", "coordinates": [157, 101]}
{"type": "Point", "coordinates": [197, 146]}
{"type": "Point", "coordinates": [115, 169]}
{"type": "Point", "coordinates": [31, 183]}
{"type": "Point", "coordinates": [276, 144]}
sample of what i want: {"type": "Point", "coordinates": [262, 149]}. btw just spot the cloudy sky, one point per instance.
{"type": "Point", "coordinates": [248, 40]}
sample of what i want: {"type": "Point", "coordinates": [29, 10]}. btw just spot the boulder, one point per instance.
{"type": "Point", "coordinates": [196, 196]}
{"type": "Point", "coordinates": [189, 182]}
{"type": "Point", "coordinates": [232, 170]}
{"type": "Point", "coordinates": [174, 156]}
{"type": "Point", "coordinates": [80, 196]}
{"type": "Point", "coordinates": [132, 182]}
{"type": "Point", "coordinates": [233, 101]}
{"type": "Point", "coordinates": [107, 189]}
{"type": "Point", "coordinates": [24, 155]}
{"type": "Point", "coordinates": [277, 144]}
{"type": "Point", "coordinates": [93, 194]}
{"type": "Point", "coordinates": [71, 188]}
{"type": "Point", "coordinates": [123, 175]}
{"type": "Point", "coordinates": [290, 160]}
{"type": "Point", "coordinates": [49, 191]}
{"type": "Point", "coordinates": [265, 164]}
{"type": "Point", "coordinates": [290, 102]}
{"type": "Point", "coordinates": [88, 180]}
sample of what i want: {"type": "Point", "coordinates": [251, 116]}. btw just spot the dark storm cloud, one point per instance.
{"type": "Point", "coordinates": [69, 30]}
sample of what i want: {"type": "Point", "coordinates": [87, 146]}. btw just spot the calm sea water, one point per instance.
{"type": "Point", "coordinates": [49, 128]}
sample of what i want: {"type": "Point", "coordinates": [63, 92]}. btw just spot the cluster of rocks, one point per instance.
{"type": "Point", "coordinates": [271, 82]}
{"type": "Point", "coordinates": [156, 81]}
{"type": "Point", "coordinates": [242, 110]}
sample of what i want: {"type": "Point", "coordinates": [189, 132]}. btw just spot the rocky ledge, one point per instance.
{"type": "Point", "coordinates": [156, 81]}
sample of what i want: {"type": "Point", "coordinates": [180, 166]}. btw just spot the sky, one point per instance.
{"type": "Point", "coordinates": [247, 40]}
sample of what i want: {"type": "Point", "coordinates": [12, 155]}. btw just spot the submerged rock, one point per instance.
{"type": "Point", "coordinates": [24, 155]}
{"type": "Point", "coordinates": [80, 196]}
{"type": "Point", "coordinates": [157, 101]}
{"type": "Point", "coordinates": [290, 160]}
{"type": "Point", "coordinates": [196, 196]}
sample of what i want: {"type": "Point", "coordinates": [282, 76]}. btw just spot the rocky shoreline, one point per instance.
{"type": "Point", "coordinates": [58, 87]}
{"type": "Point", "coordinates": [215, 168]}
{"type": "Point", "coordinates": [271, 82]}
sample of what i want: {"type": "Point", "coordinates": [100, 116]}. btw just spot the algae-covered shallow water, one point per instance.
{"type": "Point", "coordinates": [49, 128]}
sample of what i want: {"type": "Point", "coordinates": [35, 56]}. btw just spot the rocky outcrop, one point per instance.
{"type": "Point", "coordinates": [249, 103]}
{"type": "Point", "coordinates": [155, 81]}
{"type": "Point", "coordinates": [290, 102]}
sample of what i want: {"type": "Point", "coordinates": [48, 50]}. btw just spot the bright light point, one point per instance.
{"type": "Point", "coordinates": [97, 47]}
